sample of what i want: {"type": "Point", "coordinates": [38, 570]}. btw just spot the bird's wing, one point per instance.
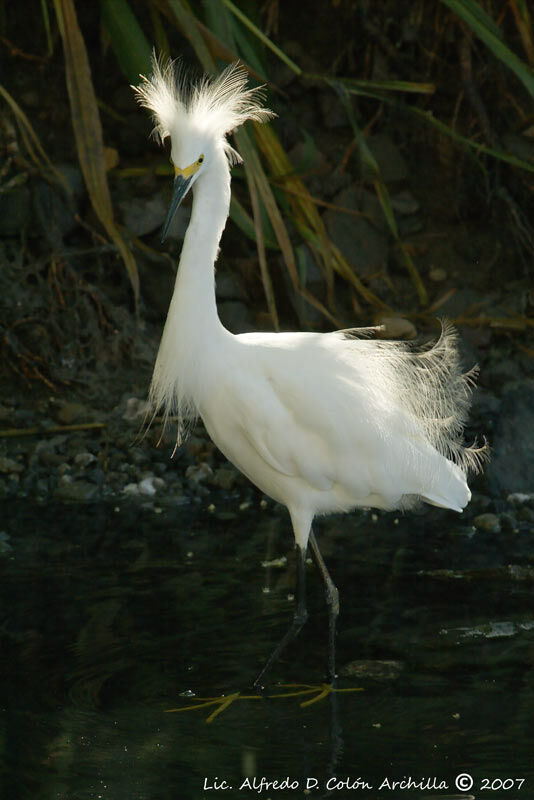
{"type": "Point", "coordinates": [301, 410]}
{"type": "Point", "coordinates": [277, 425]}
{"type": "Point", "coordinates": [304, 407]}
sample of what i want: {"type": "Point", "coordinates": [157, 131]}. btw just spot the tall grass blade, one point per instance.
{"type": "Point", "coordinates": [31, 141]}
{"type": "Point", "coordinates": [160, 34]}
{"type": "Point", "coordinates": [261, 36]}
{"type": "Point", "coordinates": [46, 23]}
{"type": "Point", "coordinates": [485, 28]}
{"type": "Point", "coordinates": [409, 87]}
{"type": "Point", "coordinates": [442, 127]}
{"type": "Point", "coordinates": [250, 155]}
{"type": "Point", "coordinates": [128, 41]}
{"type": "Point", "coordinates": [245, 223]}
{"type": "Point", "coordinates": [88, 130]}
{"type": "Point", "coordinates": [190, 28]}
{"type": "Point", "coordinates": [524, 26]}
{"type": "Point", "coordinates": [265, 276]}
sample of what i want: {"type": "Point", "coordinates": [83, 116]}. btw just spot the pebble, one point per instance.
{"type": "Point", "coordinates": [135, 409]}
{"type": "Point", "coordinates": [9, 465]}
{"type": "Point", "coordinates": [147, 487]}
{"type": "Point", "coordinates": [150, 485]}
{"type": "Point", "coordinates": [376, 670]}
{"type": "Point", "coordinates": [224, 478]}
{"type": "Point", "coordinates": [196, 473]}
{"type": "Point", "coordinates": [396, 328]}
{"type": "Point", "coordinates": [82, 460]}
{"type": "Point", "coordinates": [75, 491]}
{"type": "Point", "coordinates": [525, 514]}
{"type": "Point", "coordinates": [69, 413]}
{"type": "Point", "coordinates": [5, 546]}
{"type": "Point", "coordinates": [437, 274]}
{"type": "Point", "coordinates": [405, 203]}
{"type": "Point", "coordinates": [520, 499]}
{"type": "Point", "coordinates": [508, 522]}
{"type": "Point", "coordinates": [489, 523]}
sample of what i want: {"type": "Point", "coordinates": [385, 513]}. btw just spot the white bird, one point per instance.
{"type": "Point", "coordinates": [320, 422]}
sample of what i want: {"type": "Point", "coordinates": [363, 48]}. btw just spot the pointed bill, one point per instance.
{"type": "Point", "coordinates": [181, 187]}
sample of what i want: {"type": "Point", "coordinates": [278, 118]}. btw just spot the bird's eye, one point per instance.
{"type": "Point", "coordinates": [200, 160]}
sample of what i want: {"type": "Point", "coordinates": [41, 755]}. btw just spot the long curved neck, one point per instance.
{"type": "Point", "coordinates": [192, 320]}
{"type": "Point", "coordinates": [193, 300]}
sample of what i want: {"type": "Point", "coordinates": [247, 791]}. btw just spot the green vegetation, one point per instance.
{"type": "Point", "coordinates": [221, 31]}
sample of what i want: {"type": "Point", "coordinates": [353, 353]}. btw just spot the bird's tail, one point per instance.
{"type": "Point", "coordinates": [450, 491]}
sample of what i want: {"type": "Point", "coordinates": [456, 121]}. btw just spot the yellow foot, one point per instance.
{"type": "Point", "coordinates": [221, 703]}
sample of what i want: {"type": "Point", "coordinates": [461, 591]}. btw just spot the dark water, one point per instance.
{"type": "Point", "coordinates": [110, 617]}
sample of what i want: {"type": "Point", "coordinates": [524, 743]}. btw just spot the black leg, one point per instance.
{"type": "Point", "coordinates": [332, 601]}
{"type": "Point", "coordinates": [299, 618]}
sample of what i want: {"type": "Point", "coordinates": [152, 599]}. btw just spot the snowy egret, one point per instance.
{"type": "Point", "coordinates": [321, 422]}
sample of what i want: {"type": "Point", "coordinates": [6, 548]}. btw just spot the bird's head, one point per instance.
{"type": "Point", "coordinates": [198, 117]}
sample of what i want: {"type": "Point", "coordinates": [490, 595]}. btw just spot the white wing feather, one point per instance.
{"type": "Point", "coordinates": [296, 409]}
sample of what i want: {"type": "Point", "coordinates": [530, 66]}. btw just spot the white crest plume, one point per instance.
{"type": "Point", "coordinates": [217, 105]}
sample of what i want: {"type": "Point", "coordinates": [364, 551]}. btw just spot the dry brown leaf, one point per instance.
{"type": "Point", "coordinates": [88, 130]}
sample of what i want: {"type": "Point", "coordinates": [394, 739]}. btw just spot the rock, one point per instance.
{"type": "Point", "coordinates": [525, 514]}
{"type": "Point", "coordinates": [82, 460]}
{"type": "Point", "coordinates": [69, 413]}
{"type": "Point", "coordinates": [224, 478]}
{"type": "Point", "coordinates": [437, 274]}
{"type": "Point", "coordinates": [517, 572]}
{"type": "Point", "coordinates": [405, 203]}
{"type": "Point", "coordinates": [511, 468]}
{"type": "Point", "coordinates": [196, 473]}
{"type": "Point", "coordinates": [376, 670]}
{"type": "Point", "coordinates": [391, 163]}
{"type": "Point", "coordinates": [150, 485]}
{"type": "Point", "coordinates": [520, 499]}
{"type": "Point", "coordinates": [480, 503]}
{"type": "Point", "coordinates": [363, 245]}
{"type": "Point", "coordinates": [9, 465]}
{"type": "Point", "coordinates": [50, 459]}
{"type": "Point", "coordinates": [75, 491]}
{"type": "Point", "coordinates": [135, 409]}
{"type": "Point", "coordinates": [144, 215]}
{"type": "Point", "coordinates": [396, 328]}
{"type": "Point", "coordinates": [147, 487]}
{"type": "Point", "coordinates": [487, 522]}
{"type": "Point", "coordinates": [508, 522]}
{"type": "Point", "coordinates": [5, 546]}
{"type": "Point", "coordinates": [487, 630]}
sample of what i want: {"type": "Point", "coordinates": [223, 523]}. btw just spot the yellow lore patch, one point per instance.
{"type": "Point", "coordinates": [187, 172]}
